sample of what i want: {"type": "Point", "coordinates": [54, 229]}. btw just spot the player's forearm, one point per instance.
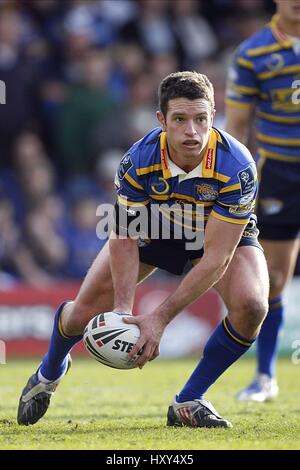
{"type": "Point", "coordinates": [238, 130]}
{"type": "Point", "coordinates": [124, 261]}
{"type": "Point", "coordinates": [201, 278]}
{"type": "Point", "coordinates": [238, 123]}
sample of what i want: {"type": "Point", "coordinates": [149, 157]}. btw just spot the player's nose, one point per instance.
{"type": "Point", "coordinates": [190, 128]}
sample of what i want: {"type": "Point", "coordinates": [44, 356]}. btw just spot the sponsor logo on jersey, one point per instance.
{"type": "Point", "coordinates": [241, 210]}
{"type": "Point", "coordinates": [206, 192]}
{"type": "Point", "coordinates": [209, 159]}
{"type": "Point", "coordinates": [275, 62]}
{"type": "Point", "coordinates": [161, 186]}
{"type": "Point", "coordinates": [245, 199]}
{"type": "Point", "coordinates": [247, 180]}
{"type": "Point", "coordinates": [125, 165]}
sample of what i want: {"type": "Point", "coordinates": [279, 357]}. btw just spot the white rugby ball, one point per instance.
{"type": "Point", "coordinates": [109, 340]}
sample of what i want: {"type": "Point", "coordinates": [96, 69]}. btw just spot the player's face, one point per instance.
{"type": "Point", "coordinates": [187, 124]}
{"type": "Point", "coordinates": [289, 9]}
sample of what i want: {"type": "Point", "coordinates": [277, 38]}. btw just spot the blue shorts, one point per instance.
{"type": "Point", "coordinates": [278, 208]}
{"type": "Point", "coordinates": [172, 256]}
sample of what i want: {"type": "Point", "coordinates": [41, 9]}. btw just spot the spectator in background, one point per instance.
{"type": "Point", "coordinates": [44, 230]}
{"type": "Point", "coordinates": [106, 169]}
{"type": "Point", "coordinates": [18, 75]}
{"type": "Point", "coordinates": [196, 38]}
{"type": "Point", "coordinates": [16, 260]}
{"type": "Point", "coordinates": [83, 243]}
{"type": "Point", "coordinates": [32, 176]}
{"type": "Point", "coordinates": [162, 64]}
{"type": "Point", "coordinates": [131, 119]}
{"type": "Point", "coordinates": [79, 38]}
{"type": "Point", "coordinates": [85, 107]}
{"type": "Point", "coordinates": [152, 28]}
{"type": "Point", "coordinates": [129, 61]}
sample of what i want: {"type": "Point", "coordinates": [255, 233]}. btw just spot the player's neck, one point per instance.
{"type": "Point", "coordinates": [289, 27]}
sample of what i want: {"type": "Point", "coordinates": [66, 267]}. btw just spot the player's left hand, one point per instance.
{"type": "Point", "coordinates": [152, 328]}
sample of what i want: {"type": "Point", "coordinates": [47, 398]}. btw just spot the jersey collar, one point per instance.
{"type": "Point", "coordinates": [205, 169]}
{"type": "Point", "coordinates": [280, 35]}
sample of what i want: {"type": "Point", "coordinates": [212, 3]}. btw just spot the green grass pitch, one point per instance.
{"type": "Point", "coordinates": [100, 408]}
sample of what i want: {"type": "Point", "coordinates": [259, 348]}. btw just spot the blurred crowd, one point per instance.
{"type": "Point", "coordinates": [81, 82]}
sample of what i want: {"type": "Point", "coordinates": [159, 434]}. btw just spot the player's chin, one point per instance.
{"type": "Point", "coordinates": [190, 152]}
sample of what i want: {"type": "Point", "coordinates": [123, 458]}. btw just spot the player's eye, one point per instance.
{"type": "Point", "coordinates": [178, 119]}
{"type": "Point", "coordinates": [201, 119]}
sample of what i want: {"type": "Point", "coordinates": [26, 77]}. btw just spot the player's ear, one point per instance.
{"type": "Point", "coordinates": [161, 119]}
{"type": "Point", "coordinates": [213, 113]}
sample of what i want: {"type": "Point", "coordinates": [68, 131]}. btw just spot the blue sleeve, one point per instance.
{"type": "Point", "coordinates": [129, 189]}
{"type": "Point", "coordinates": [237, 197]}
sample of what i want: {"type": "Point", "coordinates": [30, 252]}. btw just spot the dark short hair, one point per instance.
{"type": "Point", "coordinates": [190, 85]}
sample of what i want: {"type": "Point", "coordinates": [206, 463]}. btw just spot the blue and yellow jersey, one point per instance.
{"type": "Point", "coordinates": [264, 73]}
{"type": "Point", "coordinates": [223, 186]}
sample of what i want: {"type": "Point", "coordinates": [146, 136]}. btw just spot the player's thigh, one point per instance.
{"type": "Point", "coordinates": [244, 287]}
{"type": "Point", "coordinates": [96, 293]}
{"type": "Point", "coordinates": [281, 256]}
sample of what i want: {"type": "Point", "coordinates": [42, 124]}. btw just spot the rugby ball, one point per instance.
{"type": "Point", "coordinates": [109, 340]}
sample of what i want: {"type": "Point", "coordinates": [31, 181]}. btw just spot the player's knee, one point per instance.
{"type": "Point", "coordinates": [254, 311]}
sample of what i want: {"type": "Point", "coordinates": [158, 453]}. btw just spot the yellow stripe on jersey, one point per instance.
{"type": "Point", "coordinates": [278, 156]}
{"type": "Point", "coordinates": [238, 104]}
{"type": "Point", "coordinates": [230, 219]}
{"type": "Point", "coordinates": [125, 202]}
{"type": "Point", "coordinates": [198, 212]}
{"type": "Point", "coordinates": [132, 181]}
{"type": "Point", "coordinates": [164, 156]}
{"type": "Point", "coordinates": [283, 71]}
{"type": "Point", "coordinates": [184, 197]}
{"type": "Point", "coordinates": [273, 118]}
{"type": "Point", "coordinates": [218, 136]}
{"type": "Point", "coordinates": [233, 187]}
{"type": "Point", "coordinates": [244, 90]}
{"type": "Point", "coordinates": [245, 63]}
{"type": "Point", "coordinates": [278, 140]}
{"type": "Point", "coordinates": [148, 169]}
{"type": "Point", "coordinates": [220, 177]}
{"type": "Point", "coordinates": [261, 50]}
{"type": "Point", "coordinates": [191, 199]}
{"type": "Point", "coordinates": [209, 159]}
{"type": "Point", "coordinates": [172, 219]}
